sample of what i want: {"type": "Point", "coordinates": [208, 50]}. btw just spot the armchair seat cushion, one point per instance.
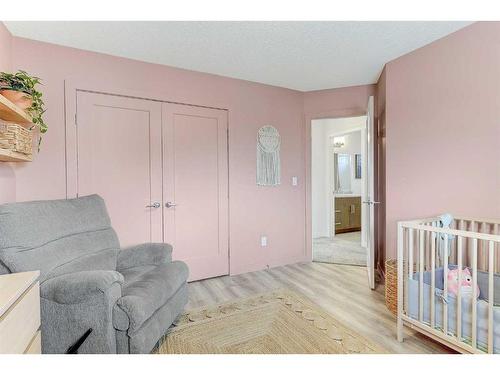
{"type": "Point", "coordinates": [145, 290]}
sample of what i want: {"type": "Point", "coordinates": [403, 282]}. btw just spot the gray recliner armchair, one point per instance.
{"type": "Point", "coordinates": [128, 297]}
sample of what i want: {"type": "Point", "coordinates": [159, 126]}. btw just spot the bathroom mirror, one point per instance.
{"type": "Point", "coordinates": [342, 173]}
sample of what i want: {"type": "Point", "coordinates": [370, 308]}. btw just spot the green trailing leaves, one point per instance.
{"type": "Point", "coordinates": [23, 82]}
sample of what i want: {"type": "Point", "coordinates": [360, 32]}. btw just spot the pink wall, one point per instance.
{"type": "Point", "coordinates": [7, 177]}
{"type": "Point", "coordinates": [439, 128]}
{"type": "Point", "coordinates": [5, 48]}
{"type": "Point", "coordinates": [277, 212]}
{"type": "Point", "coordinates": [443, 129]}
{"type": "Point", "coordinates": [254, 211]}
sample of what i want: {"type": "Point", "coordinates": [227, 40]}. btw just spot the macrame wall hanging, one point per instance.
{"type": "Point", "coordinates": [268, 156]}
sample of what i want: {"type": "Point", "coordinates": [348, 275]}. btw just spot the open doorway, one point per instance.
{"type": "Point", "coordinates": [339, 220]}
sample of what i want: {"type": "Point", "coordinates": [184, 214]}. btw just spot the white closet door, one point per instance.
{"type": "Point", "coordinates": [196, 188]}
{"type": "Point", "coordinates": [119, 158]}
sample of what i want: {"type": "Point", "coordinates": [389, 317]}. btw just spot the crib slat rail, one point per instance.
{"type": "Point", "coordinates": [459, 291]}
{"type": "Point", "coordinates": [491, 295]}
{"type": "Point", "coordinates": [401, 283]}
{"type": "Point", "coordinates": [474, 293]}
{"type": "Point", "coordinates": [445, 255]}
{"type": "Point", "coordinates": [410, 254]}
{"type": "Point", "coordinates": [439, 307]}
{"type": "Point", "coordinates": [433, 280]}
{"type": "Point", "coordinates": [421, 276]}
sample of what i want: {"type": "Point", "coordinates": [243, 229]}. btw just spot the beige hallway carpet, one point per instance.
{"type": "Point", "coordinates": [280, 322]}
{"type": "Point", "coordinates": [343, 248]}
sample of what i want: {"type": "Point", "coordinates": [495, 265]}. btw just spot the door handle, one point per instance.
{"type": "Point", "coordinates": [371, 202]}
{"type": "Point", "coordinates": [154, 205]}
{"type": "Point", "coordinates": [170, 204]}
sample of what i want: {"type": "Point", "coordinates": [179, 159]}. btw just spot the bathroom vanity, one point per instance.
{"type": "Point", "coordinates": [347, 213]}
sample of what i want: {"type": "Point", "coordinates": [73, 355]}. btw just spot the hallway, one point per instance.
{"type": "Point", "coordinates": [344, 248]}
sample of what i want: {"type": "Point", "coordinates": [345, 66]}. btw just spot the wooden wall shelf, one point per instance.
{"type": "Point", "coordinates": [10, 112]}
{"type": "Point", "coordinates": [8, 155]}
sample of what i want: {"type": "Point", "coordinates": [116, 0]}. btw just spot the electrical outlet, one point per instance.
{"type": "Point", "coordinates": [263, 241]}
{"type": "Point", "coordinates": [295, 181]}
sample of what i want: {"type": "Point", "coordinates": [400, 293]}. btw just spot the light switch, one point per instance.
{"type": "Point", "coordinates": [294, 181]}
{"type": "Point", "coordinates": [263, 241]}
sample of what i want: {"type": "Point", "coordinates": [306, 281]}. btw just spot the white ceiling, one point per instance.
{"type": "Point", "coordinates": [298, 55]}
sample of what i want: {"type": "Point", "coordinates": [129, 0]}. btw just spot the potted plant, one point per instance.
{"type": "Point", "coordinates": [20, 88]}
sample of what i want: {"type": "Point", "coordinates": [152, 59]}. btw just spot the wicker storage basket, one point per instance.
{"type": "Point", "coordinates": [16, 138]}
{"type": "Point", "coordinates": [391, 285]}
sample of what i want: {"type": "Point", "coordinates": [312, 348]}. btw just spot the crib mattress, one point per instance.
{"type": "Point", "coordinates": [466, 321]}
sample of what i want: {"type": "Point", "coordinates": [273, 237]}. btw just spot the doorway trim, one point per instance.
{"type": "Point", "coordinates": [332, 114]}
{"type": "Point", "coordinates": [331, 195]}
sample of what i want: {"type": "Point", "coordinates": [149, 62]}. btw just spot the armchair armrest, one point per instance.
{"type": "Point", "coordinates": [144, 255]}
{"type": "Point", "coordinates": [80, 286]}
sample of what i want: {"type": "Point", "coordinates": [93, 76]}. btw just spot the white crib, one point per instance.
{"type": "Point", "coordinates": [426, 253]}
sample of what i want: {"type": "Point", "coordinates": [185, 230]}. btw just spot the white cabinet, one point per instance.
{"type": "Point", "coordinates": [20, 313]}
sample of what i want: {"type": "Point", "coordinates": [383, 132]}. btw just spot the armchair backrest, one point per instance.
{"type": "Point", "coordinates": [57, 236]}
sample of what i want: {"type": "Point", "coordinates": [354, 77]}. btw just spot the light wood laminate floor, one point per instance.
{"type": "Point", "coordinates": [341, 290]}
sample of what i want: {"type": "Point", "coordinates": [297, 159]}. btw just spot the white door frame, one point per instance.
{"type": "Point", "coordinates": [370, 182]}
{"type": "Point", "coordinates": [333, 114]}
{"type": "Point", "coordinates": [331, 195]}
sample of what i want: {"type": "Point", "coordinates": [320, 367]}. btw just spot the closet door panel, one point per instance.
{"type": "Point", "coordinates": [119, 158]}
{"type": "Point", "coordinates": [196, 182]}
